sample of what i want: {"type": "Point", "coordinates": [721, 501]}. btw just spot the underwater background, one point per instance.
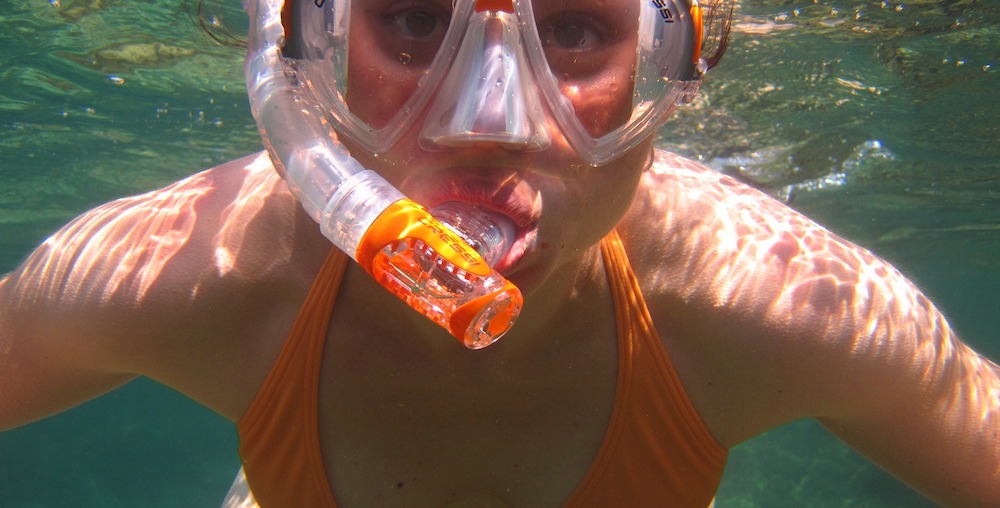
{"type": "Point", "coordinates": [878, 119]}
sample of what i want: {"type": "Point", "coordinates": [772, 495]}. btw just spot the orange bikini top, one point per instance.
{"type": "Point", "coordinates": [657, 451]}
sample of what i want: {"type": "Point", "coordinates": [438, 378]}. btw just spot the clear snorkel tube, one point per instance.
{"type": "Point", "coordinates": [427, 264]}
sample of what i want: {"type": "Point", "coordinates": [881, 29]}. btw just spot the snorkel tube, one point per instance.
{"type": "Point", "coordinates": [428, 264]}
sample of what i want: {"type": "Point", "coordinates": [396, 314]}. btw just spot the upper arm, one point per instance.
{"type": "Point", "coordinates": [45, 367]}
{"type": "Point", "coordinates": [192, 285]}
{"type": "Point", "coordinates": [945, 444]}
{"type": "Point", "coordinates": [879, 365]}
{"type": "Point", "coordinates": [889, 375]}
{"type": "Point", "coordinates": [776, 318]}
{"type": "Point", "coordinates": [74, 312]}
{"type": "Point", "coordinates": [919, 402]}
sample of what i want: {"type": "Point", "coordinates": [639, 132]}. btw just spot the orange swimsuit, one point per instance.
{"type": "Point", "coordinates": [657, 451]}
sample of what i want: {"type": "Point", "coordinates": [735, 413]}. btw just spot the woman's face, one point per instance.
{"type": "Point", "coordinates": [560, 203]}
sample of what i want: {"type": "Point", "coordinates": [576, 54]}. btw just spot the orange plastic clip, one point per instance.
{"type": "Point", "coordinates": [407, 219]}
{"type": "Point", "coordinates": [699, 36]}
{"type": "Point", "coordinates": [495, 5]}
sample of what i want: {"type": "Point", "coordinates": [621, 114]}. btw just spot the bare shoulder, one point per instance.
{"type": "Point", "coordinates": [772, 317]}
{"type": "Point", "coordinates": [156, 283]}
{"type": "Point", "coordinates": [761, 300]}
{"type": "Point", "coordinates": [129, 251]}
{"type": "Point", "coordinates": [725, 240]}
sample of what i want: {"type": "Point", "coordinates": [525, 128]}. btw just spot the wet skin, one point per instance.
{"type": "Point", "coordinates": [767, 318]}
{"type": "Point", "coordinates": [771, 319]}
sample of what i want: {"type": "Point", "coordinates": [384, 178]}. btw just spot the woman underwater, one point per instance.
{"type": "Point", "coordinates": [669, 312]}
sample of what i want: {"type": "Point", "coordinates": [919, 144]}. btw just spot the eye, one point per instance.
{"type": "Point", "coordinates": [419, 23]}
{"type": "Point", "coordinates": [578, 44]}
{"type": "Point", "coordinates": [571, 31]}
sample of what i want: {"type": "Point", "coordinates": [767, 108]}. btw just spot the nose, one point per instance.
{"type": "Point", "coordinates": [489, 93]}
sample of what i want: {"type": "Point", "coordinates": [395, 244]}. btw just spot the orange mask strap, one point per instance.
{"type": "Point", "coordinates": [495, 5]}
{"type": "Point", "coordinates": [698, 23]}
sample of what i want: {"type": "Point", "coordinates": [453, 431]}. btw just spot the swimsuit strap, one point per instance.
{"type": "Point", "coordinates": [657, 451]}
{"type": "Point", "coordinates": [279, 434]}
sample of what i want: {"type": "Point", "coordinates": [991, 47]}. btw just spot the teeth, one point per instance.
{"type": "Point", "coordinates": [490, 233]}
{"type": "Point", "coordinates": [428, 253]}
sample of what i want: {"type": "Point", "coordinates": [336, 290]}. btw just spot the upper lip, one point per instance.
{"type": "Point", "coordinates": [502, 195]}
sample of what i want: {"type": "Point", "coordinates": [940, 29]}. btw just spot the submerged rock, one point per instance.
{"type": "Point", "coordinates": [128, 56]}
{"type": "Point", "coordinates": [143, 54]}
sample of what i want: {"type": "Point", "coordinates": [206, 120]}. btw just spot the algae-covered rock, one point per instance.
{"type": "Point", "coordinates": [132, 55]}
{"type": "Point", "coordinates": [125, 57]}
{"type": "Point", "coordinates": [73, 10]}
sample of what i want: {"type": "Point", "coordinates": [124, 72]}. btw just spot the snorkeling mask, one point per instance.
{"type": "Point", "coordinates": [501, 71]}
{"type": "Point", "coordinates": [516, 73]}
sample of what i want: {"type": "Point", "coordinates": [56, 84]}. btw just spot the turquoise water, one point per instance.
{"type": "Point", "coordinates": [878, 119]}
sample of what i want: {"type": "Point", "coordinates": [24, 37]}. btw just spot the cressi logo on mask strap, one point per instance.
{"type": "Point", "coordinates": [665, 13]}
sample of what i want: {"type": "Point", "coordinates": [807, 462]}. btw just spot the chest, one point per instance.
{"type": "Point", "coordinates": [402, 428]}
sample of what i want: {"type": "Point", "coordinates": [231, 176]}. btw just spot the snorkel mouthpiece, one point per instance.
{"type": "Point", "coordinates": [415, 256]}
{"type": "Point", "coordinates": [431, 268]}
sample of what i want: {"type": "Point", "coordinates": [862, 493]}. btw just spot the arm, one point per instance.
{"type": "Point", "coordinates": [921, 403]}
{"type": "Point", "coordinates": [779, 319]}
{"type": "Point", "coordinates": [76, 315]}
{"type": "Point", "coordinates": [193, 285]}
{"type": "Point", "coordinates": [95, 302]}
{"type": "Point", "coordinates": [890, 377]}
{"type": "Point", "coordinates": [56, 327]}
{"type": "Point", "coordinates": [948, 452]}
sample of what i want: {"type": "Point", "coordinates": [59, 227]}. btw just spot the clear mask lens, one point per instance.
{"type": "Point", "coordinates": [489, 95]}
{"type": "Point", "coordinates": [602, 74]}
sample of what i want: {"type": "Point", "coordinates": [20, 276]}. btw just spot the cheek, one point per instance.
{"type": "Point", "coordinates": [372, 96]}
{"type": "Point", "coordinates": [378, 84]}
{"type": "Point", "coordinates": [620, 178]}
{"type": "Point", "coordinates": [604, 103]}
{"type": "Point", "coordinates": [607, 192]}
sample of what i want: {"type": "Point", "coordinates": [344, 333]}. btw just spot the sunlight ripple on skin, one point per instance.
{"type": "Point", "coordinates": [259, 182]}
{"type": "Point", "coordinates": [815, 281]}
{"type": "Point", "coordinates": [159, 228]}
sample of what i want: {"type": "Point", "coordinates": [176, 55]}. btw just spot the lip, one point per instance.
{"type": "Point", "coordinates": [509, 196]}
{"type": "Point", "coordinates": [515, 254]}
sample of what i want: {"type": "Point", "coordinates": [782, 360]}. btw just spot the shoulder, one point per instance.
{"type": "Point", "coordinates": [729, 242]}
{"type": "Point", "coordinates": [192, 285]}
{"type": "Point", "coordinates": [769, 317]}
{"type": "Point", "coordinates": [685, 212]}
{"type": "Point", "coordinates": [215, 219]}
{"type": "Point", "coordinates": [767, 309]}
{"type": "Point", "coordinates": [136, 272]}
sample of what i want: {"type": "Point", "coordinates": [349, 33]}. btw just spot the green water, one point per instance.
{"type": "Point", "coordinates": [879, 120]}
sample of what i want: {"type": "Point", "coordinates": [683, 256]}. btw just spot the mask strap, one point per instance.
{"type": "Point", "coordinates": [698, 23]}
{"type": "Point", "coordinates": [495, 5]}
